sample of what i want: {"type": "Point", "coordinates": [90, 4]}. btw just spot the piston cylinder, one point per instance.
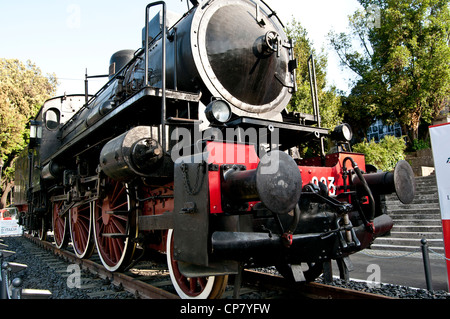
{"type": "Point", "coordinates": [51, 171]}
{"type": "Point", "coordinates": [132, 154]}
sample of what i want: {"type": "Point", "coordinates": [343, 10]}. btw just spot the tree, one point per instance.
{"type": "Point", "coordinates": [402, 61]}
{"type": "Point", "coordinates": [385, 154]}
{"type": "Point", "coordinates": [23, 89]}
{"type": "Point", "coordinates": [301, 101]}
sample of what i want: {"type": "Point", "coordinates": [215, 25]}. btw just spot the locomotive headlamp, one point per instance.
{"type": "Point", "coordinates": [35, 129]}
{"type": "Point", "coordinates": [218, 111]}
{"type": "Point", "coordinates": [342, 133]}
{"type": "Point", "coordinates": [35, 133]}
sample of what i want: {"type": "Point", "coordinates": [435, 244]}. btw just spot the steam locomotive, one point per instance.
{"type": "Point", "coordinates": [188, 151]}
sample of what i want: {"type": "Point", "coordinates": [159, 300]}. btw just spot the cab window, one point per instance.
{"type": "Point", "coordinates": [52, 118]}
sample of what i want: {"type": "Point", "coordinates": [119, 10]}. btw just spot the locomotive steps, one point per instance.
{"type": "Point", "coordinates": [412, 222]}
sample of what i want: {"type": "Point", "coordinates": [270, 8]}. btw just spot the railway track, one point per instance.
{"type": "Point", "coordinates": [132, 281]}
{"type": "Point", "coordinates": [150, 280]}
{"type": "Point", "coordinates": [311, 290]}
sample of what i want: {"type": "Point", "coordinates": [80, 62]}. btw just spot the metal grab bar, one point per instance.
{"type": "Point", "coordinates": [163, 66]}
{"type": "Point", "coordinates": [315, 98]}
{"type": "Point", "coordinates": [313, 86]}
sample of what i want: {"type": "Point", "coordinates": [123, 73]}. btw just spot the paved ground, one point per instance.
{"type": "Point", "coordinates": [399, 268]}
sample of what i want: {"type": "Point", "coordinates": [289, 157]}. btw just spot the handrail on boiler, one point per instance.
{"type": "Point", "coordinates": [163, 62]}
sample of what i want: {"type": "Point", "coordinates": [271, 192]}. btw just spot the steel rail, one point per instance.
{"type": "Point", "coordinates": [310, 290]}
{"type": "Point", "coordinates": [139, 288]}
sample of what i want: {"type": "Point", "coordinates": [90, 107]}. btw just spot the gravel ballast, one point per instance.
{"type": "Point", "coordinates": [40, 274]}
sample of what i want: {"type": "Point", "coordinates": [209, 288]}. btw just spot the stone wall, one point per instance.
{"type": "Point", "coordinates": [421, 162]}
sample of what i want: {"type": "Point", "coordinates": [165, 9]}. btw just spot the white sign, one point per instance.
{"type": "Point", "coordinates": [10, 228]}
{"type": "Point", "coordinates": [440, 135]}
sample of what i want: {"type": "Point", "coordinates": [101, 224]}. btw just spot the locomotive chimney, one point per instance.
{"type": "Point", "coordinates": [119, 60]}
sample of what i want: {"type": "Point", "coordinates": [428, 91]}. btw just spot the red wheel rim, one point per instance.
{"type": "Point", "coordinates": [80, 230]}
{"type": "Point", "coordinates": [59, 226]}
{"type": "Point", "coordinates": [114, 223]}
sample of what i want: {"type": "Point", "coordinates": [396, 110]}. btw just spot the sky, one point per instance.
{"type": "Point", "coordinates": [66, 37]}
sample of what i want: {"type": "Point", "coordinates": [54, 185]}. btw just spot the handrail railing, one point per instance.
{"type": "Point", "coordinates": [163, 65]}
{"type": "Point", "coordinates": [315, 98]}
{"type": "Point", "coordinates": [313, 86]}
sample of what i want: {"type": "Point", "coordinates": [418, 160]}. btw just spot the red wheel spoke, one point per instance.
{"type": "Point", "coordinates": [118, 226]}
{"type": "Point", "coordinates": [83, 226]}
{"type": "Point", "coordinates": [116, 195]}
{"type": "Point", "coordinates": [119, 206]}
{"type": "Point", "coordinates": [111, 220]}
{"type": "Point", "coordinates": [192, 285]}
{"type": "Point", "coordinates": [59, 226]}
{"type": "Point", "coordinates": [202, 282]}
{"type": "Point", "coordinates": [80, 236]}
{"type": "Point", "coordinates": [80, 229]}
{"type": "Point", "coordinates": [116, 250]}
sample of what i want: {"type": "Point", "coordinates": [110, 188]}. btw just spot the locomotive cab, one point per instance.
{"type": "Point", "coordinates": [54, 113]}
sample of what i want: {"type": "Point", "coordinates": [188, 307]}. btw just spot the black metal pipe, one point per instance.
{"type": "Point", "coordinates": [426, 264]}
{"type": "Point", "coordinates": [401, 181]}
{"type": "Point", "coordinates": [225, 243]}
{"type": "Point", "coordinates": [313, 88]}
{"type": "Point", "coordinates": [379, 183]}
{"type": "Point", "coordinates": [381, 224]}
{"type": "Point", "coordinates": [4, 284]}
{"type": "Point", "coordinates": [266, 247]}
{"type": "Point", "coordinates": [240, 185]}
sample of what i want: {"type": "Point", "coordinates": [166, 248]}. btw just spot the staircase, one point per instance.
{"type": "Point", "coordinates": [412, 222]}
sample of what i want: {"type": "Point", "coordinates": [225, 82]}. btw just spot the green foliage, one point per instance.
{"type": "Point", "coordinates": [402, 64]}
{"type": "Point", "coordinates": [418, 145]}
{"type": "Point", "coordinates": [385, 154]}
{"type": "Point", "coordinates": [23, 89]}
{"type": "Point", "coordinates": [329, 99]}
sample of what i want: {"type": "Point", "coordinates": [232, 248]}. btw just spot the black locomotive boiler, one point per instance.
{"type": "Point", "coordinates": [186, 151]}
